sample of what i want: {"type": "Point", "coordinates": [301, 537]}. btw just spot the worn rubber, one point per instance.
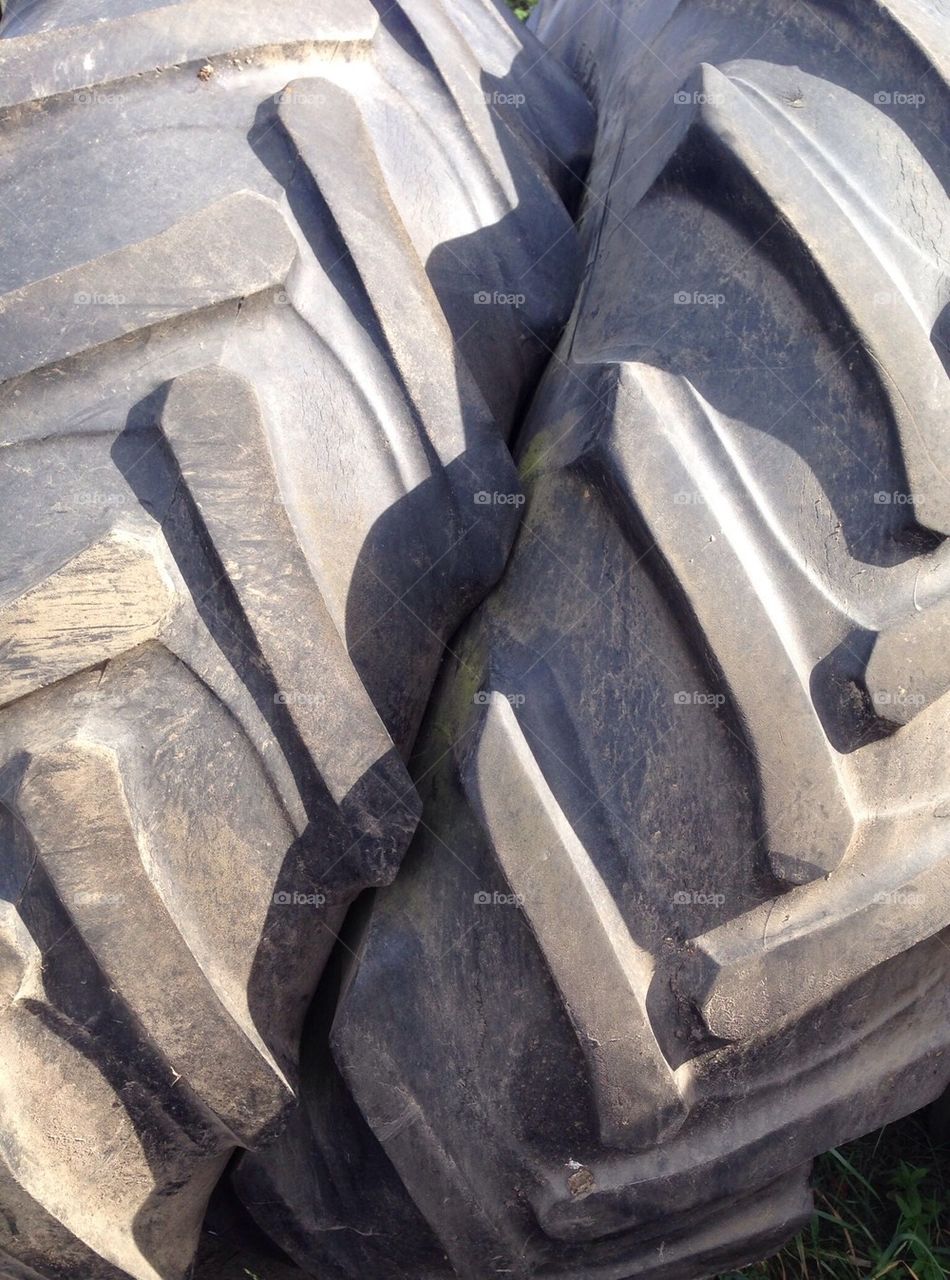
{"type": "Point", "coordinates": [275, 281]}
{"type": "Point", "coordinates": [674, 920]}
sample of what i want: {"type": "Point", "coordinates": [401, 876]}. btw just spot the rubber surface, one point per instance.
{"type": "Point", "coordinates": [275, 281]}
{"type": "Point", "coordinates": [674, 920]}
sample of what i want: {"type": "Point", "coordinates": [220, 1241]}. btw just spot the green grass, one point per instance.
{"type": "Point", "coordinates": [882, 1208]}
{"type": "Point", "coordinates": [521, 8]}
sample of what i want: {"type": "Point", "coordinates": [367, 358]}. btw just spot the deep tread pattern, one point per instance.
{"type": "Point", "coordinates": [886, 253]}
{"type": "Point", "coordinates": [241, 462]}
{"type": "Point", "coordinates": [602, 975]}
{"type": "Point", "coordinates": [92, 864]}
{"type": "Point", "coordinates": [681, 448]}
{"type": "Point", "coordinates": [235, 248]}
{"type": "Point", "coordinates": [707, 700]}
{"type": "Point", "coordinates": [214, 425]}
{"type": "Point", "coordinates": [109, 597]}
{"type": "Point", "coordinates": [53, 63]}
{"type": "Point", "coordinates": [905, 671]}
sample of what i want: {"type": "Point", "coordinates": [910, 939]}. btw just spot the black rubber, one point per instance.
{"type": "Point", "coordinates": [275, 281]}
{"type": "Point", "coordinates": [671, 923]}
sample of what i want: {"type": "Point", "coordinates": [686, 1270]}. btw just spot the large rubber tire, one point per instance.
{"type": "Point", "coordinates": [276, 278]}
{"type": "Point", "coordinates": [671, 925]}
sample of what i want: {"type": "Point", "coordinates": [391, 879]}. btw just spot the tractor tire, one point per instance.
{"type": "Point", "coordinates": [675, 918]}
{"type": "Point", "coordinates": [275, 281]}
